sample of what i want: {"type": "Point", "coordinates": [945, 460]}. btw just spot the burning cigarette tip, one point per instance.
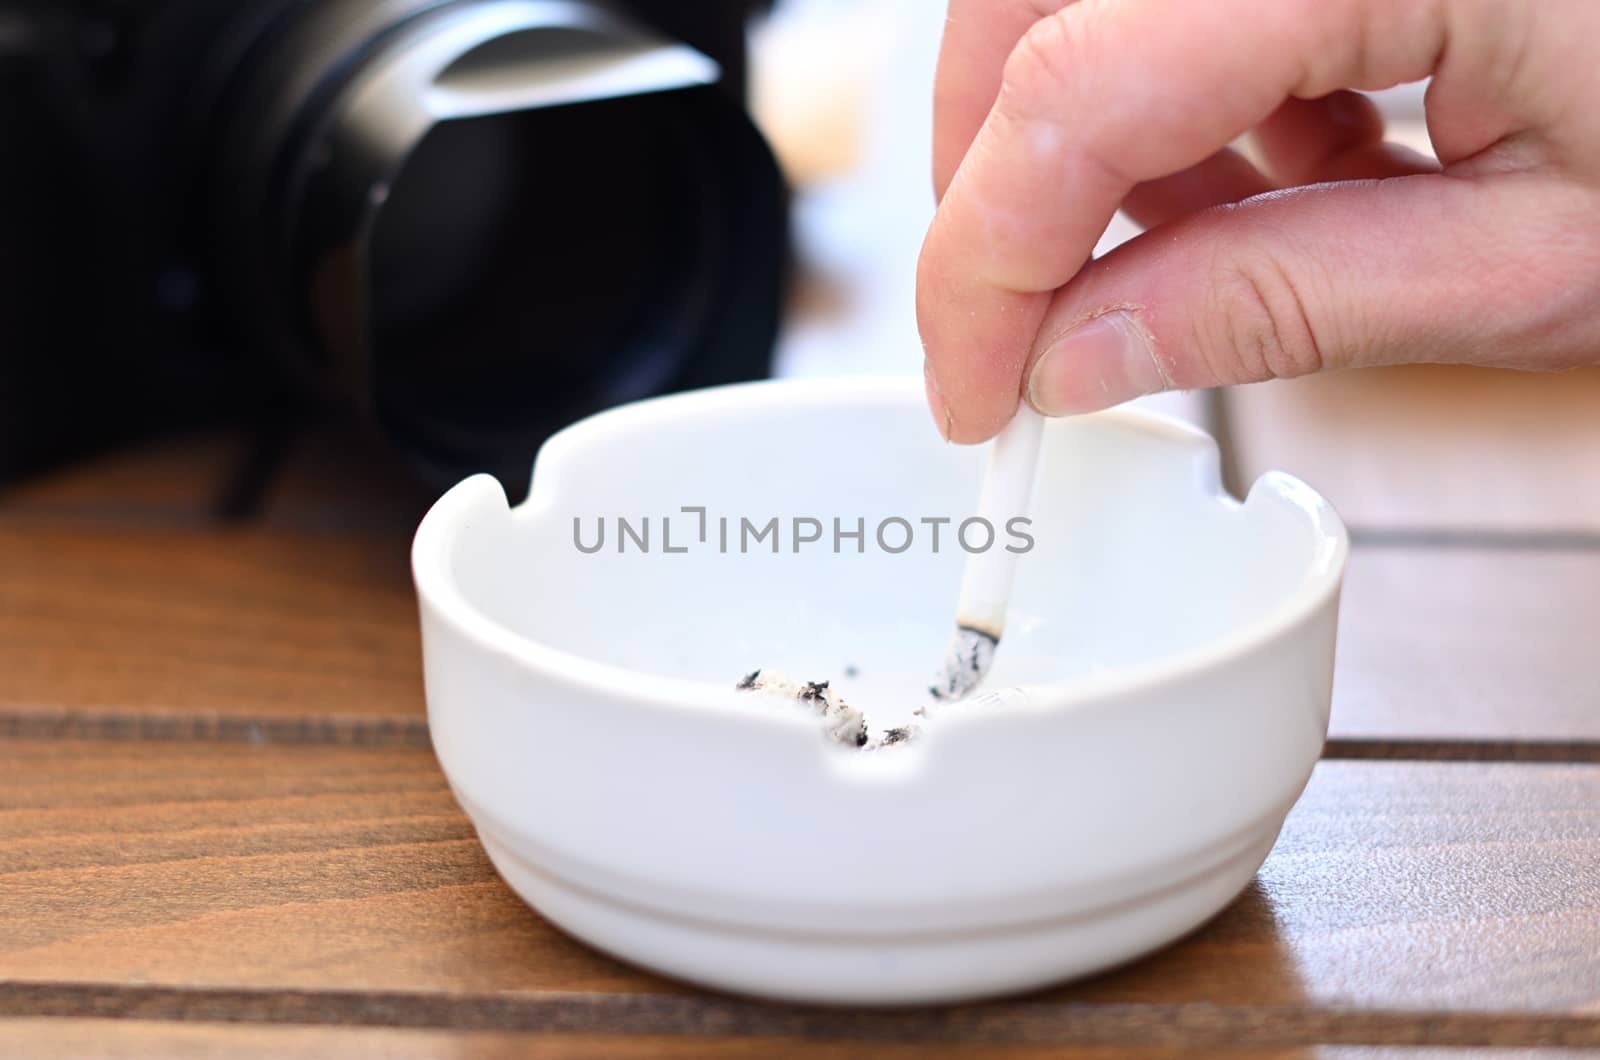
{"type": "Point", "coordinates": [966, 662]}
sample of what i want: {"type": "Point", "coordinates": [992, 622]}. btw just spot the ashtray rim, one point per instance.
{"type": "Point", "coordinates": [482, 496]}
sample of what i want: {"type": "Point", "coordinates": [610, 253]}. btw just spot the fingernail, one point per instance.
{"type": "Point", "coordinates": [941, 416]}
{"type": "Point", "coordinates": [1101, 362]}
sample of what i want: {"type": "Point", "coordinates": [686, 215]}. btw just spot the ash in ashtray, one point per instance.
{"type": "Point", "coordinates": [898, 734]}
{"type": "Point", "coordinates": [844, 723]}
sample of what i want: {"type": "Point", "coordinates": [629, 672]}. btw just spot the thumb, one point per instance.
{"type": "Point", "coordinates": [1498, 270]}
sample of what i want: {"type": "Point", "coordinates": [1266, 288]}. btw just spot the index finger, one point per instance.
{"type": "Point", "coordinates": [1095, 99]}
{"type": "Point", "coordinates": [978, 36]}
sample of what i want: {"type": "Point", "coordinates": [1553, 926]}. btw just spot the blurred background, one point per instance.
{"type": "Point", "coordinates": [388, 243]}
{"type": "Point", "coordinates": [458, 224]}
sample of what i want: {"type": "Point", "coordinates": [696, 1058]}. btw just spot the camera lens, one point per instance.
{"type": "Point", "coordinates": [549, 282]}
{"type": "Point", "coordinates": [478, 221]}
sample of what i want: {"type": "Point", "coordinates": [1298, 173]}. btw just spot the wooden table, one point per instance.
{"type": "Point", "coordinates": [222, 830]}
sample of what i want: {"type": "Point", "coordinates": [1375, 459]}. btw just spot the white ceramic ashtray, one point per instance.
{"type": "Point", "coordinates": [1155, 709]}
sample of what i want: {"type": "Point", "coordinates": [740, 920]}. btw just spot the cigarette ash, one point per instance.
{"type": "Point", "coordinates": [843, 723]}
{"type": "Point", "coordinates": [898, 734]}
{"type": "Point", "coordinates": [966, 662]}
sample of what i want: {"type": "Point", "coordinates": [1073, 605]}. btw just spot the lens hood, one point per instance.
{"type": "Point", "coordinates": [479, 220]}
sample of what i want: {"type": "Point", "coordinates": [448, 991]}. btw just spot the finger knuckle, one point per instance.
{"type": "Point", "coordinates": [1263, 321]}
{"type": "Point", "coordinates": [1046, 65]}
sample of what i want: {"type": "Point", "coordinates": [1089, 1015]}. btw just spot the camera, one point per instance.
{"type": "Point", "coordinates": [469, 222]}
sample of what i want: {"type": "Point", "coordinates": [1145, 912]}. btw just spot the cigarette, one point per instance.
{"type": "Point", "coordinates": [842, 722]}
{"type": "Point", "coordinates": [987, 579]}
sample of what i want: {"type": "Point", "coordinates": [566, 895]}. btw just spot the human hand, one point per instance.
{"type": "Point", "coordinates": [1344, 251]}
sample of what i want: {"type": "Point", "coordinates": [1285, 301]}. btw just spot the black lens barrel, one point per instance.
{"type": "Point", "coordinates": [471, 251]}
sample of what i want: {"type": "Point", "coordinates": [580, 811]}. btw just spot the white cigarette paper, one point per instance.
{"type": "Point", "coordinates": [988, 577]}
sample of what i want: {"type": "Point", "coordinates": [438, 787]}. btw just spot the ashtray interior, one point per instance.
{"type": "Point", "coordinates": [1133, 553]}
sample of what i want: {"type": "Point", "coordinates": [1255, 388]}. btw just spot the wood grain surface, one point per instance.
{"type": "Point", "coordinates": [162, 480]}
{"type": "Point", "coordinates": [283, 635]}
{"type": "Point", "coordinates": [1430, 447]}
{"type": "Point", "coordinates": [1470, 644]}
{"type": "Point", "coordinates": [262, 634]}
{"type": "Point", "coordinates": [340, 885]}
{"type": "Point", "coordinates": [222, 832]}
{"type": "Point", "coordinates": [68, 1039]}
